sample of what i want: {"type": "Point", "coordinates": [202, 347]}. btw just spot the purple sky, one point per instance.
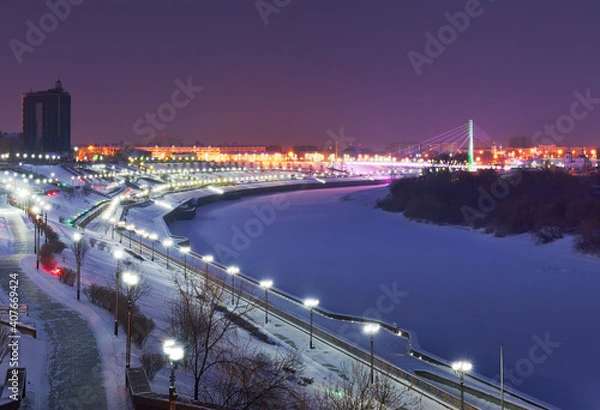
{"type": "Point", "coordinates": [317, 66]}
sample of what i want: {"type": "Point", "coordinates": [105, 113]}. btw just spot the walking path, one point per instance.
{"type": "Point", "coordinates": [72, 373]}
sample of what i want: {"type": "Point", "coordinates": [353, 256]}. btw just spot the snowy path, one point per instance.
{"type": "Point", "coordinates": [73, 369]}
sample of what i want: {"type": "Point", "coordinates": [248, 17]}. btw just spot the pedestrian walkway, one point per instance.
{"type": "Point", "coordinates": [74, 377]}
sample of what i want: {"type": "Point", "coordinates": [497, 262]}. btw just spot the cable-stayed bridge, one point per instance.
{"type": "Point", "coordinates": [459, 139]}
{"type": "Point", "coordinates": [464, 138]}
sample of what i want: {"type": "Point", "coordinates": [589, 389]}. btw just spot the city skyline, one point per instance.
{"type": "Point", "coordinates": [292, 73]}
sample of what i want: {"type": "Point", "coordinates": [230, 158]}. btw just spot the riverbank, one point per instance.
{"type": "Point", "coordinates": [547, 204]}
{"type": "Point", "coordinates": [469, 287]}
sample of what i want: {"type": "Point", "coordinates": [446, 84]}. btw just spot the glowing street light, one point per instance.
{"type": "Point", "coordinates": [113, 222]}
{"type": "Point", "coordinates": [371, 329]}
{"type": "Point", "coordinates": [46, 209]}
{"type": "Point", "coordinates": [175, 353]}
{"type": "Point", "coordinates": [120, 225]}
{"type": "Point", "coordinates": [232, 271]}
{"type": "Point", "coordinates": [311, 304]}
{"type": "Point", "coordinates": [266, 285]}
{"type": "Point", "coordinates": [153, 237]}
{"type": "Point", "coordinates": [130, 228]}
{"type": "Point", "coordinates": [167, 243]}
{"type": "Point", "coordinates": [118, 255]}
{"type": "Point", "coordinates": [185, 250]}
{"type": "Point", "coordinates": [208, 259]}
{"type": "Point", "coordinates": [462, 368]}
{"type": "Point", "coordinates": [142, 234]}
{"type": "Point", "coordinates": [130, 279]}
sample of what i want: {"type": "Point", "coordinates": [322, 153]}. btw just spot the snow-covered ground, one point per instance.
{"type": "Point", "coordinates": [76, 337]}
{"type": "Point", "coordinates": [461, 292]}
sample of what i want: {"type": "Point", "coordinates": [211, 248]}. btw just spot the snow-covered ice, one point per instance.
{"type": "Point", "coordinates": [461, 292]}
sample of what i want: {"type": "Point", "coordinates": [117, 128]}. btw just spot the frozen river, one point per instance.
{"type": "Point", "coordinates": [461, 292]}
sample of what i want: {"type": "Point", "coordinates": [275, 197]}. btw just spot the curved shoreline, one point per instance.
{"type": "Point", "coordinates": [410, 335]}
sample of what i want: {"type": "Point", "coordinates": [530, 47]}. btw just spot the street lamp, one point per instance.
{"type": "Point", "coordinates": [232, 271]}
{"type": "Point", "coordinates": [46, 209]}
{"type": "Point", "coordinates": [130, 279]}
{"type": "Point", "coordinates": [266, 285]}
{"type": "Point", "coordinates": [185, 250]}
{"type": "Point", "coordinates": [120, 225]}
{"type": "Point", "coordinates": [77, 247]}
{"type": "Point", "coordinates": [462, 368]}
{"type": "Point", "coordinates": [167, 243]}
{"type": "Point", "coordinates": [130, 228]}
{"type": "Point", "coordinates": [208, 259]}
{"type": "Point", "coordinates": [112, 221]}
{"type": "Point", "coordinates": [371, 329]}
{"type": "Point", "coordinates": [142, 234]}
{"type": "Point", "coordinates": [174, 352]}
{"type": "Point", "coordinates": [153, 238]}
{"type": "Point", "coordinates": [311, 304]}
{"type": "Point", "coordinates": [36, 233]}
{"type": "Point", "coordinates": [118, 255]}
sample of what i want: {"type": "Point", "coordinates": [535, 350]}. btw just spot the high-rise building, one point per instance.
{"type": "Point", "coordinates": [47, 120]}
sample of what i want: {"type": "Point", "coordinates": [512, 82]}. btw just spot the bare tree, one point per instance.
{"type": "Point", "coordinates": [256, 381]}
{"type": "Point", "coordinates": [356, 392]}
{"type": "Point", "coordinates": [80, 247]}
{"type": "Point", "coordinates": [200, 320]}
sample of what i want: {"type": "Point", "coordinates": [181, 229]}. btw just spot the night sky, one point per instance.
{"type": "Point", "coordinates": [317, 65]}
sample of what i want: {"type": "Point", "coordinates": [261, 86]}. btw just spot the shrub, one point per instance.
{"type": "Point", "coordinates": [152, 363]}
{"type": "Point", "coordinates": [141, 327]}
{"type": "Point", "coordinates": [67, 276]}
{"type": "Point", "coordinates": [104, 296]}
{"type": "Point", "coordinates": [92, 242]}
{"type": "Point", "coordinates": [548, 234]}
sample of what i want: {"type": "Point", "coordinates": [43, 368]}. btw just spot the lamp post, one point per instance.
{"type": "Point", "coordinates": [185, 250]}
{"type": "Point", "coordinates": [153, 238]}
{"type": "Point", "coordinates": [112, 221]}
{"type": "Point", "coordinates": [174, 353]}
{"type": "Point", "coordinates": [39, 234]}
{"type": "Point", "coordinates": [208, 259]}
{"type": "Point", "coordinates": [121, 225]}
{"type": "Point", "coordinates": [77, 247]}
{"type": "Point", "coordinates": [311, 304]}
{"type": "Point", "coordinates": [130, 228]}
{"type": "Point", "coordinates": [130, 279]}
{"type": "Point", "coordinates": [371, 329]}
{"type": "Point", "coordinates": [462, 368]}
{"type": "Point", "coordinates": [118, 254]}
{"type": "Point", "coordinates": [232, 271]}
{"type": "Point", "coordinates": [46, 209]}
{"type": "Point", "coordinates": [266, 285]}
{"type": "Point", "coordinates": [35, 210]}
{"type": "Point", "coordinates": [167, 243]}
{"type": "Point", "coordinates": [142, 234]}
